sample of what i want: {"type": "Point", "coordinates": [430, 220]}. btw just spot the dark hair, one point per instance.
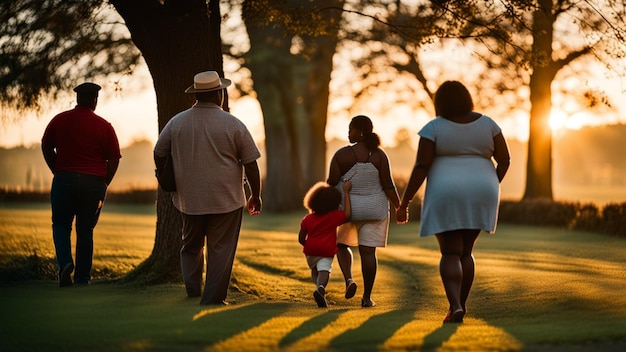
{"type": "Point", "coordinates": [322, 198]}
{"type": "Point", "coordinates": [453, 99]}
{"type": "Point", "coordinates": [86, 99]}
{"type": "Point", "coordinates": [214, 96]}
{"type": "Point", "coordinates": [364, 124]}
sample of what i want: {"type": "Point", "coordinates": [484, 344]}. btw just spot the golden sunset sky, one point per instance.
{"type": "Point", "coordinates": [133, 111]}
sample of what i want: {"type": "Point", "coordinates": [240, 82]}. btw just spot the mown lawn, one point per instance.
{"type": "Point", "coordinates": [536, 289]}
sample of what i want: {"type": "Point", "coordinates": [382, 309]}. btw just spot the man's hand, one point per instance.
{"type": "Point", "coordinates": [254, 206]}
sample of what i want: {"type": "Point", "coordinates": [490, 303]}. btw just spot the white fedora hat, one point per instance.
{"type": "Point", "coordinates": [207, 81]}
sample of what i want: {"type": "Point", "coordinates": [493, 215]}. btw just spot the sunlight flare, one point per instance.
{"type": "Point", "coordinates": [558, 120]}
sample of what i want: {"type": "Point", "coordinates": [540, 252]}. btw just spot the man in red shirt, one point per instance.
{"type": "Point", "coordinates": [82, 151]}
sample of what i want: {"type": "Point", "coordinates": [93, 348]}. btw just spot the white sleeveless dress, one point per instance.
{"type": "Point", "coordinates": [368, 195]}
{"type": "Point", "coordinates": [462, 188]}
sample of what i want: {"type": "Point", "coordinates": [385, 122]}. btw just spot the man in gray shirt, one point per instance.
{"type": "Point", "coordinates": [211, 150]}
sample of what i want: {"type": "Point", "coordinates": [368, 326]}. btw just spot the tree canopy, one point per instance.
{"type": "Point", "coordinates": [48, 46]}
{"type": "Point", "coordinates": [523, 45]}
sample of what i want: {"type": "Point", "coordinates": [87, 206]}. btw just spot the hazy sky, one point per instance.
{"type": "Point", "coordinates": [133, 114]}
{"type": "Point", "coordinates": [133, 111]}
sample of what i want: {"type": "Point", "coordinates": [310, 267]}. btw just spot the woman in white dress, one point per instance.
{"type": "Point", "coordinates": [366, 165]}
{"type": "Point", "coordinates": [456, 155]}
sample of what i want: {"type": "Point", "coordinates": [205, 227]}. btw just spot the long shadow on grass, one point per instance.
{"type": "Point", "coordinates": [227, 323]}
{"type": "Point", "coordinates": [310, 327]}
{"type": "Point", "coordinates": [374, 332]}
{"type": "Point", "coordinates": [270, 269]}
{"type": "Point", "coordinates": [437, 338]}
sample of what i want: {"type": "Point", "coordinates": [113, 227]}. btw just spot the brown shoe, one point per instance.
{"type": "Point", "coordinates": [454, 317]}
{"type": "Point", "coordinates": [350, 288]}
{"type": "Point", "coordinates": [318, 294]}
{"type": "Point", "coordinates": [65, 276]}
{"type": "Point", "coordinates": [367, 303]}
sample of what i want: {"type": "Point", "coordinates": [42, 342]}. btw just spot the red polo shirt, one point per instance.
{"type": "Point", "coordinates": [83, 141]}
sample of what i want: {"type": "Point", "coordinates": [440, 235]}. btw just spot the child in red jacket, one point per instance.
{"type": "Point", "coordinates": [318, 232]}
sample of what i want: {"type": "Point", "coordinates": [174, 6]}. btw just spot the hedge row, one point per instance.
{"type": "Point", "coordinates": [610, 219]}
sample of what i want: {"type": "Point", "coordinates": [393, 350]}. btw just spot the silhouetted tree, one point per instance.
{"type": "Point", "coordinates": [178, 39]}
{"type": "Point", "coordinates": [48, 46]}
{"type": "Point", "coordinates": [291, 60]}
{"type": "Point", "coordinates": [524, 44]}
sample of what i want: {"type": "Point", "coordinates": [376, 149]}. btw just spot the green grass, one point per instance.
{"type": "Point", "coordinates": [536, 289]}
{"type": "Point", "coordinates": [123, 238]}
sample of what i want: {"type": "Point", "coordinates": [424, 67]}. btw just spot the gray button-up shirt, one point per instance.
{"type": "Point", "coordinates": [209, 147]}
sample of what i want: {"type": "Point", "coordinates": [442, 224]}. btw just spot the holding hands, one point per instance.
{"type": "Point", "coordinates": [402, 214]}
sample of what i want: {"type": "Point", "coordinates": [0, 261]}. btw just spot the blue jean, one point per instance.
{"type": "Point", "coordinates": [81, 196]}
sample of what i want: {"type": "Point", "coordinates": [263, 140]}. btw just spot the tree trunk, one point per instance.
{"type": "Point", "coordinates": [293, 93]}
{"type": "Point", "coordinates": [163, 264]}
{"type": "Point", "coordinates": [316, 108]}
{"type": "Point", "coordinates": [174, 39]}
{"type": "Point", "coordinates": [273, 74]}
{"type": "Point", "coordinates": [539, 163]}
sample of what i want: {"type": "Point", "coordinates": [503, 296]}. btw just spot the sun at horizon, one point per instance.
{"type": "Point", "coordinates": [560, 121]}
{"type": "Point", "coordinates": [557, 120]}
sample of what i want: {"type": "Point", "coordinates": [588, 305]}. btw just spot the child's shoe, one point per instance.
{"type": "Point", "coordinates": [319, 294]}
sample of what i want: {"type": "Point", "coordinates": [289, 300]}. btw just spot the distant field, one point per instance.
{"type": "Point", "coordinates": [536, 289]}
{"type": "Point", "coordinates": [123, 237]}
{"type": "Point", "coordinates": [599, 195]}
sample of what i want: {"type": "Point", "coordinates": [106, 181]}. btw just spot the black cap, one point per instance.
{"type": "Point", "coordinates": [88, 88]}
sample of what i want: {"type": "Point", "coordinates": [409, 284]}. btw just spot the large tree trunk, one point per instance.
{"type": "Point", "coordinates": [316, 97]}
{"type": "Point", "coordinates": [273, 73]}
{"type": "Point", "coordinates": [174, 38]}
{"type": "Point", "coordinates": [293, 93]}
{"type": "Point", "coordinates": [163, 264]}
{"type": "Point", "coordinates": [539, 163]}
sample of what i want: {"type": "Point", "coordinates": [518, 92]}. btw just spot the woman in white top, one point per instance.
{"type": "Point", "coordinates": [456, 154]}
{"type": "Point", "coordinates": [367, 167]}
